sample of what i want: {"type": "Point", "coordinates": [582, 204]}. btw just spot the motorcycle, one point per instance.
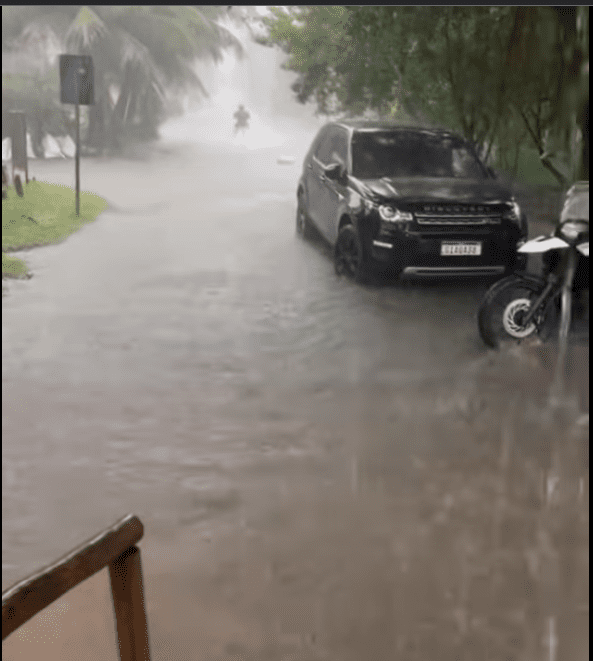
{"type": "Point", "coordinates": [241, 127]}
{"type": "Point", "coordinates": [242, 117]}
{"type": "Point", "coordinates": [526, 306]}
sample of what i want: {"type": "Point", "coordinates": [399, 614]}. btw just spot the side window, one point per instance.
{"type": "Point", "coordinates": [333, 147]}
{"type": "Point", "coordinates": [339, 149]}
{"type": "Point", "coordinates": [465, 165]}
{"type": "Point", "coordinates": [324, 149]}
{"type": "Point", "coordinates": [316, 142]}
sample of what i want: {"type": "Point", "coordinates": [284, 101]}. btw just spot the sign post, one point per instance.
{"type": "Point", "coordinates": [76, 87]}
{"type": "Point", "coordinates": [77, 159]}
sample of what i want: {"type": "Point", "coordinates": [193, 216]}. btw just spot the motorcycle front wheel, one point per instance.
{"type": "Point", "coordinates": [503, 308]}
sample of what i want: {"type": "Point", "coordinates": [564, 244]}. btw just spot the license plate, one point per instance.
{"type": "Point", "coordinates": [465, 248]}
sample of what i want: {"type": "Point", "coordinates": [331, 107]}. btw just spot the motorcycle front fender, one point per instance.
{"type": "Point", "coordinates": [542, 244]}
{"type": "Point", "coordinates": [531, 281]}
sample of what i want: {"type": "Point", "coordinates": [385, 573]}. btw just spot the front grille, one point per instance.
{"type": "Point", "coordinates": [459, 220]}
{"type": "Point", "coordinates": [458, 214]}
{"type": "Point", "coordinates": [432, 230]}
{"type": "Point", "coordinates": [453, 270]}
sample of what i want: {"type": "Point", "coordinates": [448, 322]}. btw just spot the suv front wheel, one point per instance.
{"type": "Point", "coordinates": [303, 224]}
{"type": "Point", "coordinates": [349, 257]}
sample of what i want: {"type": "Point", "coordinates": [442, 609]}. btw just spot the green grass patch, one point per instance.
{"type": "Point", "coordinates": [45, 214]}
{"type": "Point", "coordinates": [13, 267]}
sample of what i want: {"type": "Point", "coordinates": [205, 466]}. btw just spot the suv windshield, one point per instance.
{"type": "Point", "coordinates": [379, 154]}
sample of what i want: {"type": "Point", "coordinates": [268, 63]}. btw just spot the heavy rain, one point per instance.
{"type": "Point", "coordinates": [325, 470]}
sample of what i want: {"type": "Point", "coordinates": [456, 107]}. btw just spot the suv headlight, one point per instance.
{"type": "Point", "coordinates": [394, 215]}
{"type": "Point", "coordinates": [514, 213]}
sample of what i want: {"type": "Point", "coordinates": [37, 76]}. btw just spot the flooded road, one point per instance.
{"type": "Point", "coordinates": [187, 358]}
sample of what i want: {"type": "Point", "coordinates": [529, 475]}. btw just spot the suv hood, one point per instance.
{"type": "Point", "coordinates": [420, 189]}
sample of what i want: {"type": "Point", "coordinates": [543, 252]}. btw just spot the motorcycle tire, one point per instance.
{"type": "Point", "coordinates": [499, 313]}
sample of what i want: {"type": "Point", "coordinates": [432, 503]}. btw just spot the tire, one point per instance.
{"type": "Point", "coordinates": [349, 257]}
{"type": "Point", "coordinates": [303, 222]}
{"type": "Point", "coordinates": [499, 314]}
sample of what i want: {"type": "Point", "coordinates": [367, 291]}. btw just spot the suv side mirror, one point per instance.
{"type": "Point", "coordinates": [334, 171]}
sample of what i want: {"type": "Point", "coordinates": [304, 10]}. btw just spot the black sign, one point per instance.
{"type": "Point", "coordinates": [76, 79]}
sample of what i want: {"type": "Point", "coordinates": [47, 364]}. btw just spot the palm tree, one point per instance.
{"type": "Point", "coordinates": [142, 57]}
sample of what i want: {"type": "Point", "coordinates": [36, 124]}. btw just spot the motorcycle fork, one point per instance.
{"type": "Point", "coordinates": [569, 273]}
{"type": "Point", "coordinates": [550, 285]}
{"type": "Point", "coordinates": [558, 387]}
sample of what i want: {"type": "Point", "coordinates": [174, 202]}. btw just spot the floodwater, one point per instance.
{"type": "Point", "coordinates": [187, 358]}
{"type": "Point", "coordinates": [278, 430]}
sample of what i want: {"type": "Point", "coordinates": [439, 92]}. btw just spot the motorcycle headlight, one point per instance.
{"type": "Point", "coordinates": [573, 228]}
{"type": "Point", "coordinates": [393, 215]}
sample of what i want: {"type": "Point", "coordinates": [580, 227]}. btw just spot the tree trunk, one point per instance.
{"type": "Point", "coordinates": [97, 128]}
{"type": "Point", "coordinates": [560, 178]}
{"type": "Point", "coordinates": [584, 126]}
{"type": "Point", "coordinates": [515, 166]}
{"type": "Point", "coordinates": [37, 135]}
{"type": "Point", "coordinates": [536, 137]}
{"type": "Point", "coordinates": [152, 113]}
{"type": "Point", "coordinates": [123, 103]}
{"type": "Point", "coordinates": [118, 116]}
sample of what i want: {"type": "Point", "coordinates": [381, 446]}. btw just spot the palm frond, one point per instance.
{"type": "Point", "coordinates": [51, 22]}
{"type": "Point", "coordinates": [135, 53]}
{"type": "Point", "coordinates": [14, 20]}
{"type": "Point", "coordinates": [47, 24]}
{"type": "Point", "coordinates": [208, 32]}
{"type": "Point", "coordinates": [86, 29]}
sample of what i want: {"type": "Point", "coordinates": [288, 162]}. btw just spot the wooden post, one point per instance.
{"type": "Point", "coordinates": [128, 602]}
{"type": "Point", "coordinates": [115, 547]}
{"type": "Point", "coordinates": [18, 141]}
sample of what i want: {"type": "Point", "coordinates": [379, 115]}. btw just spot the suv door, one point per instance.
{"type": "Point", "coordinates": [315, 176]}
{"type": "Point", "coordinates": [333, 148]}
{"type": "Point", "coordinates": [334, 190]}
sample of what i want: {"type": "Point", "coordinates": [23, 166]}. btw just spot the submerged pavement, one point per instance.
{"type": "Point", "coordinates": [186, 357]}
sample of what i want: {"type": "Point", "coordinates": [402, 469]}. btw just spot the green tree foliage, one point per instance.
{"type": "Point", "coordinates": [34, 93]}
{"type": "Point", "coordinates": [142, 56]}
{"type": "Point", "coordinates": [502, 75]}
{"type": "Point", "coordinates": [548, 83]}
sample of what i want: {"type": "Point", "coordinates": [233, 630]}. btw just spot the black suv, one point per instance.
{"type": "Point", "coordinates": [406, 201]}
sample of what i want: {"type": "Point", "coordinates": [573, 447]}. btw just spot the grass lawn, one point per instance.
{"type": "Point", "coordinates": [45, 214]}
{"type": "Point", "coordinates": [13, 267]}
